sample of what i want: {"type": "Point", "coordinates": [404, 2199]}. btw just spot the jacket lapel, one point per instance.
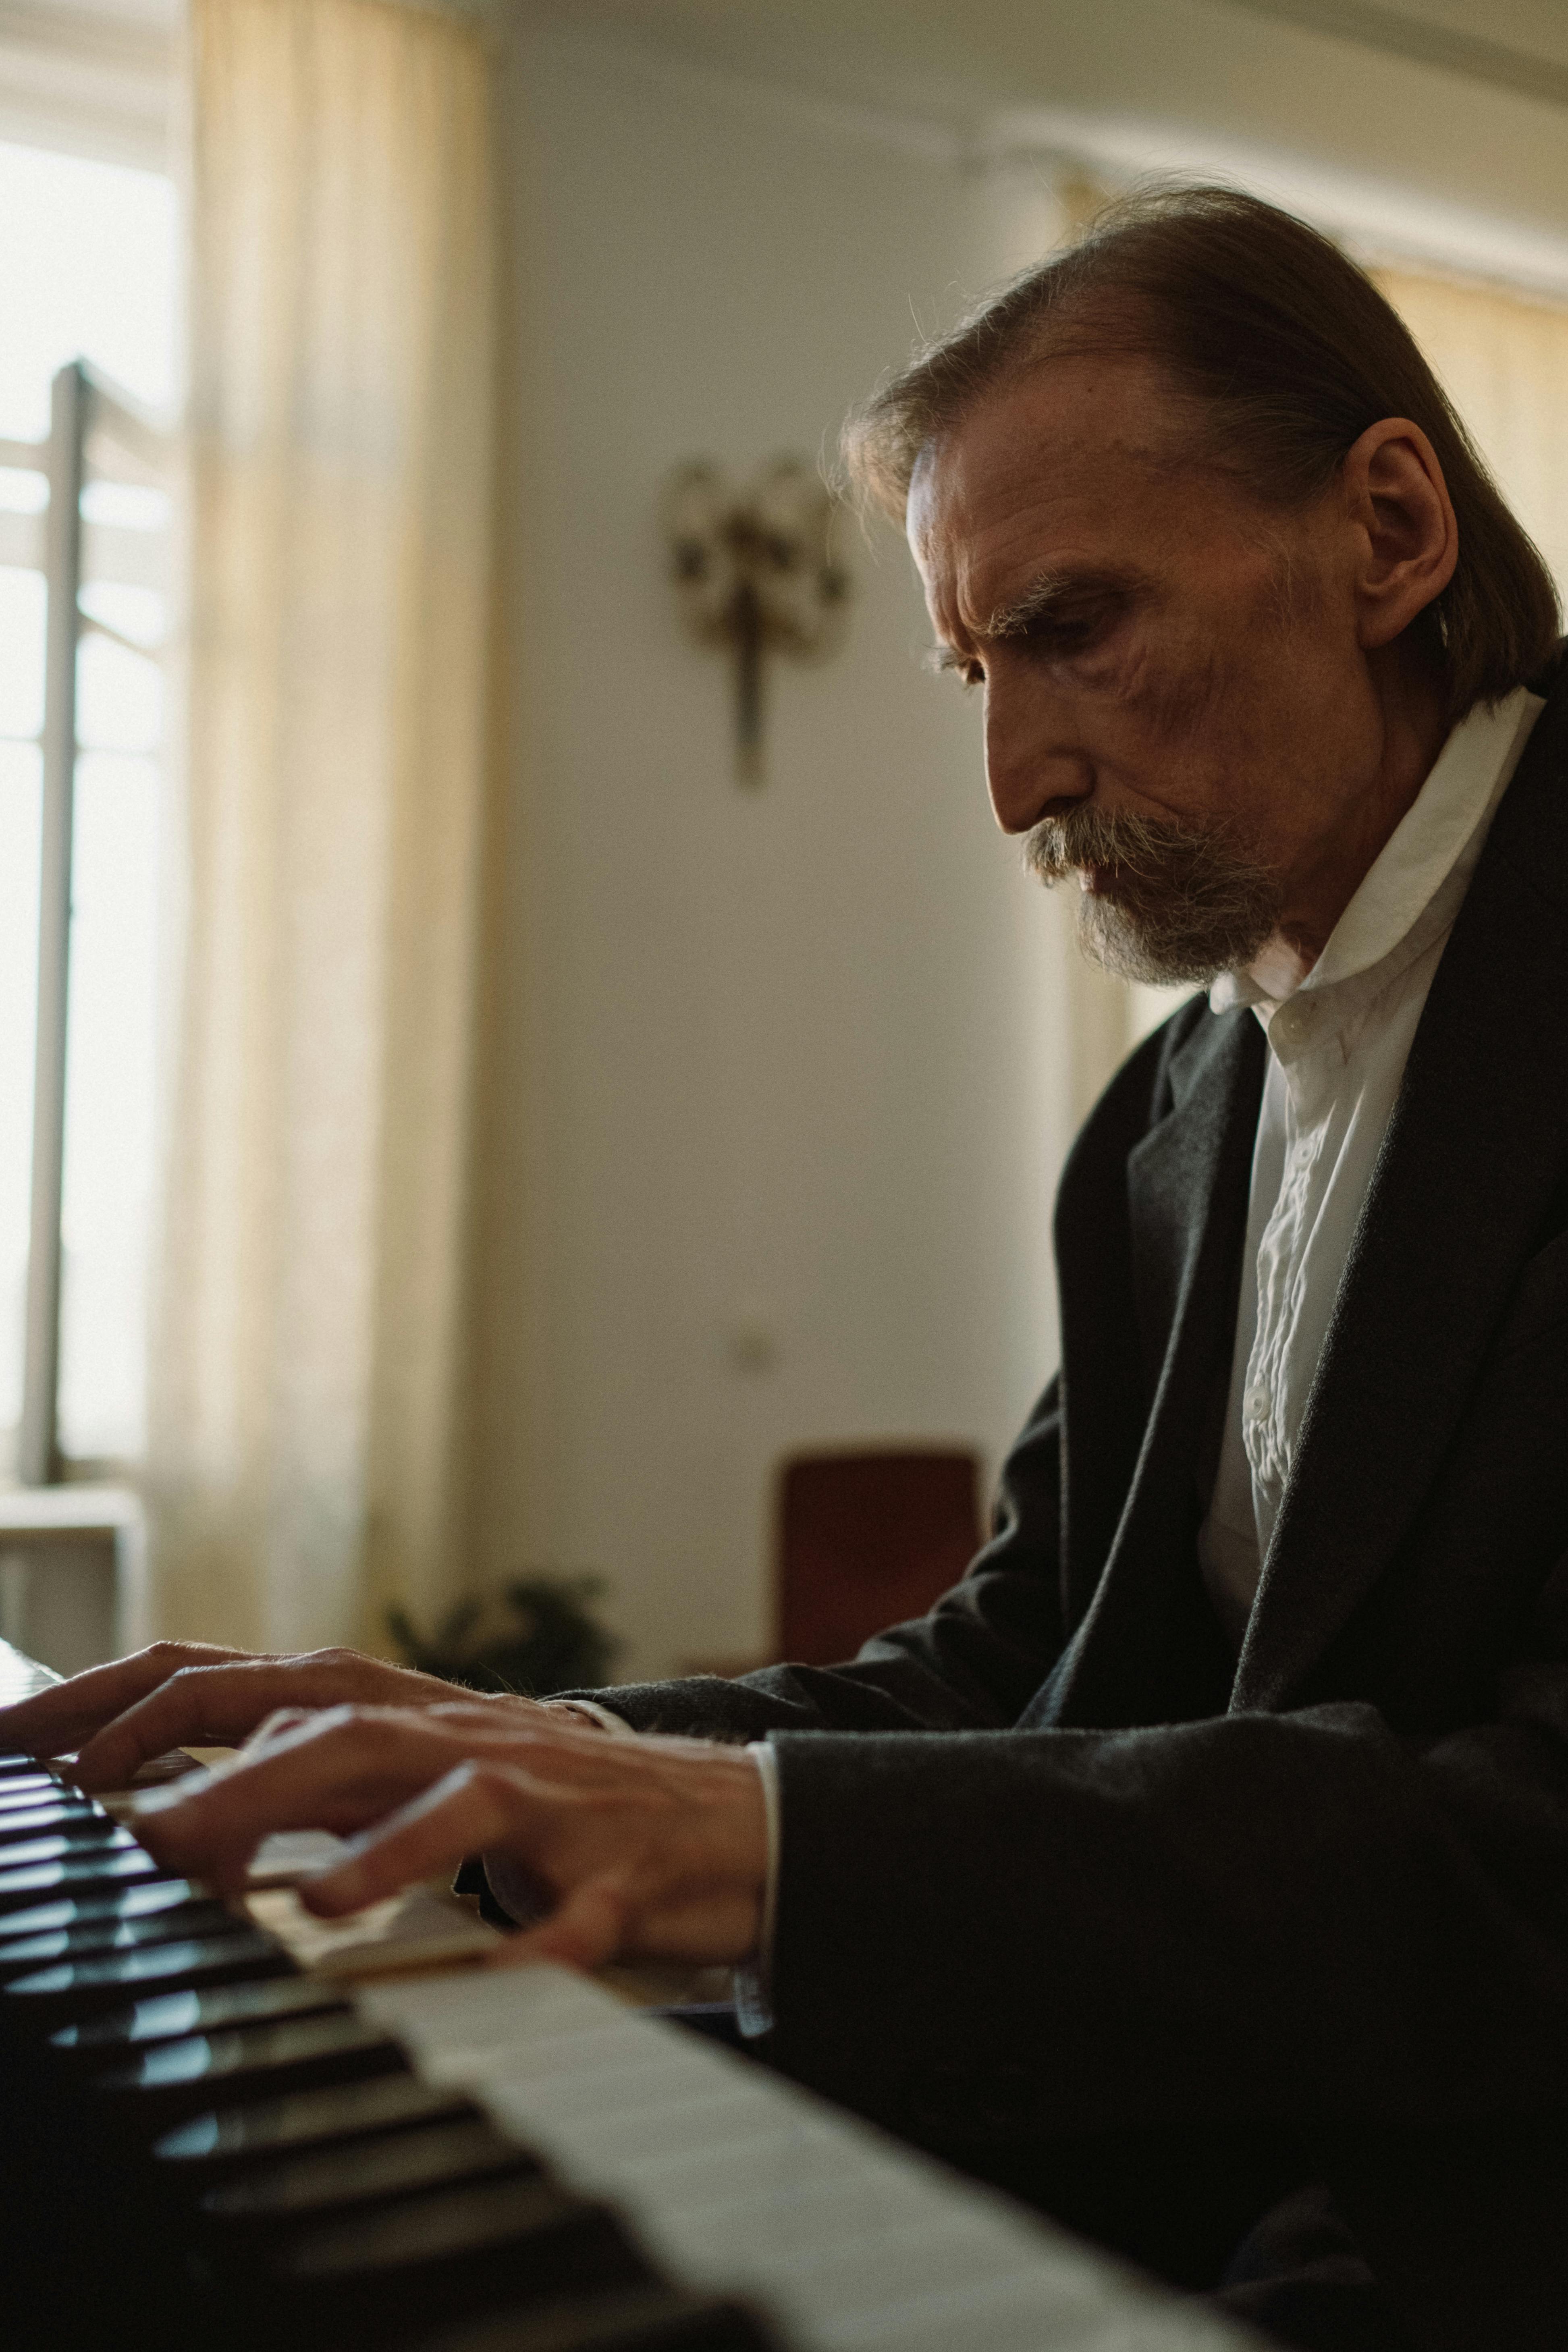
{"type": "Point", "coordinates": [1474, 1149]}
{"type": "Point", "coordinates": [1148, 1633]}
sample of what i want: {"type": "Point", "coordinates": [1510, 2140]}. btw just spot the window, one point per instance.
{"type": "Point", "coordinates": [87, 272]}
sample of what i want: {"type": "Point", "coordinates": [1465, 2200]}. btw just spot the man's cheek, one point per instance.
{"type": "Point", "coordinates": [1177, 692]}
{"type": "Point", "coordinates": [1146, 679]}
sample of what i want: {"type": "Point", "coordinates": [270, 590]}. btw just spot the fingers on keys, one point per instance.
{"type": "Point", "coordinates": [55, 1721]}
{"type": "Point", "coordinates": [478, 1804]}
{"type": "Point", "coordinates": [334, 1769]}
{"type": "Point", "coordinates": [473, 1805]}
{"type": "Point", "coordinates": [649, 1849]}
{"type": "Point", "coordinates": [656, 1847]}
{"type": "Point", "coordinates": [201, 1693]}
{"type": "Point", "coordinates": [219, 1701]}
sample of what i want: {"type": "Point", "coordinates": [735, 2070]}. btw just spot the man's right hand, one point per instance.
{"type": "Point", "coordinates": [196, 1695]}
{"type": "Point", "coordinates": [653, 1848]}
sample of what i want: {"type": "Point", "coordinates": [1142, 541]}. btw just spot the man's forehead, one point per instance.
{"type": "Point", "coordinates": [1054, 470]}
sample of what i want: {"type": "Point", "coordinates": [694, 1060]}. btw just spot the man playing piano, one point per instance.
{"type": "Point", "coordinates": [1199, 1866]}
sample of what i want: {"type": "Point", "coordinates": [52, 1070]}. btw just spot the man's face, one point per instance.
{"type": "Point", "coordinates": [1177, 704]}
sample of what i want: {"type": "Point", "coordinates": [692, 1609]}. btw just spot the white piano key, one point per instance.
{"type": "Point", "coordinates": [421, 1927]}
{"type": "Point", "coordinates": [288, 1855]}
{"type": "Point", "coordinates": [734, 2146]}
{"type": "Point", "coordinates": [739, 2180]}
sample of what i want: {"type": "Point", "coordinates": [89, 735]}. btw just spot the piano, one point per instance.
{"type": "Point", "coordinates": [210, 2140]}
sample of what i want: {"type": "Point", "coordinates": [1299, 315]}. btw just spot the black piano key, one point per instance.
{"type": "Point", "coordinates": [227, 2137]}
{"type": "Point", "coordinates": [175, 2078]}
{"type": "Point", "coordinates": [457, 2250]}
{"type": "Point", "coordinates": [176, 2016]}
{"type": "Point", "coordinates": [162, 1895]}
{"type": "Point", "coordinates": [36, 1789]}
{"type": "Point", "coordinates": [79, 1834]}
{"type": "Point", "coordinates": [117, 1930]}
{"type": "Point", "coordinates": [93, 1874]}
{"type": "Point", "coordinates": [21, 1955]}
{"type": "Point", "coordinates": [92, 1838]}
{"type": "Point", "coordinates": [73, 1990]}
{"type": "Point", "coordinates": [378, 2149]}
{"type": "Point", "coordinates": [366, 2173]}
{"type": "Point", "coordinates": [39, 1820]}
{"type": "Point", "coordinates": [619, 2319]}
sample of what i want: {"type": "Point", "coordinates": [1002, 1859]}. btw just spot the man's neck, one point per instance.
{"type": "Point", "coordinates": [1414, 728]}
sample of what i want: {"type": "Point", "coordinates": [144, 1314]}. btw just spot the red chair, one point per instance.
{"type": "Point", "coordinates": [868, 1539]}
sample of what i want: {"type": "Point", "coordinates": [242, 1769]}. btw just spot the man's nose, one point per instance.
{"type": "Point", "coordinates": [1027, 766]}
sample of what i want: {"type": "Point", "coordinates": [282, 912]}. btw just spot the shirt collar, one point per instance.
{"type": "Point", "coordinates": [1421, 872]}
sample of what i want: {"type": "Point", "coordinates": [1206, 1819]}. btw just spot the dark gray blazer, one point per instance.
{"type": "Point", "coordinates": [1058, 1870]}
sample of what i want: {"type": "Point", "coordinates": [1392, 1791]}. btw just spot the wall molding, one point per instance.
{"type": "Point", "coordinates": [614, 49]}
{"type": "Point", "coordinates": [1525, 72]}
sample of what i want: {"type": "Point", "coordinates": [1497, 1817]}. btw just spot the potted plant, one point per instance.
{"type": "Point", "coordinates": [534, 1634]}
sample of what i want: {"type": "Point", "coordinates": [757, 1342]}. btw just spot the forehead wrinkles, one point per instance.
{"type": "Point", "coordinates": [1037, 477]}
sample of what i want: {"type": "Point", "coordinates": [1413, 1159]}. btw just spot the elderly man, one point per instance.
{"type": "Point", "coordinates": [1199, 1867]}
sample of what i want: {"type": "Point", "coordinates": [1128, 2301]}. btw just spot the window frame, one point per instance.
{"type": "Point", "coordinates": [87, 411]}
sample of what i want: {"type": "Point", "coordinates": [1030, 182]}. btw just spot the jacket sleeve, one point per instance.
{"type": "Point", "coordinates": [973, 1664]}
{"type": "Point", "coordinates": [1299, 1915]}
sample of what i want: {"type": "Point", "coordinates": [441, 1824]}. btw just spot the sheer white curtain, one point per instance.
{"type": "Point", "coordinates": [310, 1343]}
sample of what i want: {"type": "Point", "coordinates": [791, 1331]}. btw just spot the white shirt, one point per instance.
{"type": "Point", "coordinates": [1339, 1035]}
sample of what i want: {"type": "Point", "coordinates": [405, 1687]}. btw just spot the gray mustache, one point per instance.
{"type": "Point", "coordinates": [1141, 848]}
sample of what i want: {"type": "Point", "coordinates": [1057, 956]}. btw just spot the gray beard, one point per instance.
{"type": "Point", "coordinates": [1181, 902]}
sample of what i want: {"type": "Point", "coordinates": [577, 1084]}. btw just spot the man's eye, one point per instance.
{"type": "Point", "coordinates": [1066, 633]}
{"type": "Point", "coordinates": [970, 674]}
{"type": "Point", "coordinates": [1058, 640]}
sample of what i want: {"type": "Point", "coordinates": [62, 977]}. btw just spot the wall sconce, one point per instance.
{"type": "Point", "coordinates": [756, 573]}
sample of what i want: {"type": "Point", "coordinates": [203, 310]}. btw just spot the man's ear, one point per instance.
{"type": "Point", "coordinates": [1407, 541]}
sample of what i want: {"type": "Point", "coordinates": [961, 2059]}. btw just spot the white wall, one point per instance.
{"type": "Point", "coordinates": [781, 1063]}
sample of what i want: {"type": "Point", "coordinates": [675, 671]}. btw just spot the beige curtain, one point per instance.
{"type": "Point", "coordinates": [309, 1349]}
{"type": "Point", "coordinates": [1503, 359]}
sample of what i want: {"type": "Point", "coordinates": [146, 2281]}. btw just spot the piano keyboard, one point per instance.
{"type": "Point", "coordinates": [205, 2143]}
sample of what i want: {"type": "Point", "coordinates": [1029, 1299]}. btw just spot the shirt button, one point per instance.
{"type": "Point", "coordinates": [1257, 1404]}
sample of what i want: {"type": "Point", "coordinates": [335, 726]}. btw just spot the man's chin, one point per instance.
{"type": "Point", "coordinates": [1159, 904]}
{"type": "Point", "coordinates": [1130, 947]}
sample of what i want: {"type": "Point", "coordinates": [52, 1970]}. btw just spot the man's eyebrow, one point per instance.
{"type": "Point", "coordinates": [1050, 596]}
{"type": "Point", "coordinates": [1056, 594]}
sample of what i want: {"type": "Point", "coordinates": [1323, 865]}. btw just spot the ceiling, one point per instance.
{"type": "Point", "coordinates": [962, 53]}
